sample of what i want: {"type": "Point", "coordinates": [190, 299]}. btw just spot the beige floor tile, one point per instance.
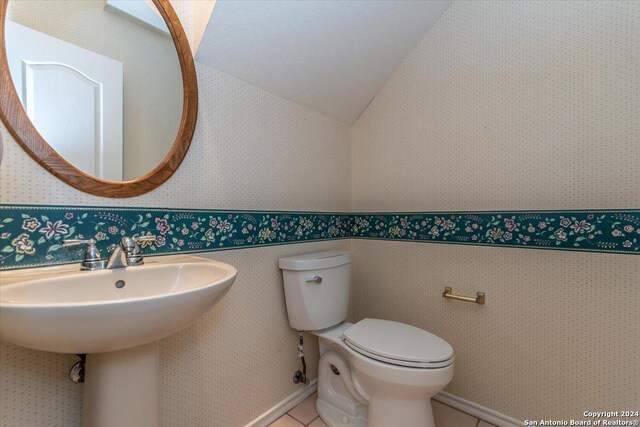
{"type": "Point", "coordinates": [318, 423]}
{"type": "Point", "coordinates": [446, 416]}
{"type": "Point", "coordinates": [305, 412]}
{"type": "Point", "coordinates": [285, 421]}
{"type": "Point", "coordinates": [485, 424]}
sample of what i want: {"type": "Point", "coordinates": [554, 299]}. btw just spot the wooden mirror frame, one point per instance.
{"type": "Point", "coordinates": [15, 118]}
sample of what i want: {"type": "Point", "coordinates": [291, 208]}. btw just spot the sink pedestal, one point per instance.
{"type": "Point", "coordinates": [98, 313]}
{"type": "Point", "coordinates": [122, 388]}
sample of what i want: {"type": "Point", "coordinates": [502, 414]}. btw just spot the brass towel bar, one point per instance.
{"type": "Point", "coordinates": [448, 293]}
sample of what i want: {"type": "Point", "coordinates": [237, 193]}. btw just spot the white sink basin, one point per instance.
{"type": "Point", "coordinates": [64, 310]}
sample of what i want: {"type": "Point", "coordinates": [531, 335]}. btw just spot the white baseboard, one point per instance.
{"type": "Point", "coordinates": [478, 411]}
{"type": "Point", "coordinates": [284, 406]}
{"type": "Point", "coordinates": [471, 408]}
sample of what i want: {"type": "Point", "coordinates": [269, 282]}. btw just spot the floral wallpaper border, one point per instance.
{"type": "Point", "coordinates": [32, 236]}
{"type": "Point", "coordinates": [595, 231]}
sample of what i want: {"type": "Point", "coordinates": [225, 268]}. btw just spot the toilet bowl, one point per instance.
{"type": "Point", "coordinates": [375, 373]}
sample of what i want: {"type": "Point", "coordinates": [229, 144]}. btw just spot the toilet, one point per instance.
{"type": "Point", "coordinates": [375, 373]}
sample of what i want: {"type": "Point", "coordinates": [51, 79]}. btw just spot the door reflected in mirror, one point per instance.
{"type": "Point", "coordinates": [100, 80]}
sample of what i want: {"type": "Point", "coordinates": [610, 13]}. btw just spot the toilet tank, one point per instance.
{"type": "Point", "coordinates": [316, 289]}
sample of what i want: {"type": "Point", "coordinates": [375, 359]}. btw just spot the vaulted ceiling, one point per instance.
{"type": "Point", "coordinates": [331, 56]}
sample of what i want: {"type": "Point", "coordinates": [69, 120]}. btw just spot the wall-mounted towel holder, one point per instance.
{"type": "Point", "coordinates": [448, 293]}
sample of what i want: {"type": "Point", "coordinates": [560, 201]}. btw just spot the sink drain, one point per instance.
{"type": "Point", "coordinates": [120, 284]}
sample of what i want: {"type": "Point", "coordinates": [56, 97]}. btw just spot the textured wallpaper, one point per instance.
{"type": "Point", "coordinates": [251, 150]}
{"type": "Point", "coordinates": [514, 105]}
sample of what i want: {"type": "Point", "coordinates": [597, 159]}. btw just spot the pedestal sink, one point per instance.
{"type": "Point", "coordinates": [116, 317]}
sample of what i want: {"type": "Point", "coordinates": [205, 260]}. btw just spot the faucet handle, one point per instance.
{"type": "Point", "coordinates": [91, 253]}
{"type": "Point", "coordinates": [128, 244]}
{"type": "Point", "coordinates": [132, 249]}
{"type": "Point", "coordinates": [76, 242]}
{"type": "Point", "coordinates": [92, 260]}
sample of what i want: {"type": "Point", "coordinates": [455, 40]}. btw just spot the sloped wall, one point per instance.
{"type": "Point", "coordinates": [511, 106]}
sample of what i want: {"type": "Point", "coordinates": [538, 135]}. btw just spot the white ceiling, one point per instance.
{"type": "Point", "coordinates": [331, 56]}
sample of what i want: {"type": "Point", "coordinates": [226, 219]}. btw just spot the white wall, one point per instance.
{"type": "Point", "coordinates": [511, 106]}
{"type": "Point", "coordinates": [251, 150]}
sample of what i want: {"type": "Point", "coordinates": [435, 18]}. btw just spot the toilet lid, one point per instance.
{"type": "Point", "coordinates": [398, 344]}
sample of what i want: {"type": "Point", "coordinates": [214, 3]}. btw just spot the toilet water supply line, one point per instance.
{"type": "Point", "coordinates": [301, 376]}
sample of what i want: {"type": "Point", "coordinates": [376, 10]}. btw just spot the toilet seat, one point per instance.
{"type": "Point", "coordinates": [398, 344]}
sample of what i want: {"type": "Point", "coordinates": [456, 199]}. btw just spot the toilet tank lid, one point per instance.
{"type": "Point", "coordinates": [316, 260]}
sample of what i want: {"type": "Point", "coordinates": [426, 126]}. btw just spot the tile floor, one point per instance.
{"type": "Point", "coordinates": [305, 415]}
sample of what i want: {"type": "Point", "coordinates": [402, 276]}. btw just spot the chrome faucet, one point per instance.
{"type": "Point", "coordinates": [126, 254]}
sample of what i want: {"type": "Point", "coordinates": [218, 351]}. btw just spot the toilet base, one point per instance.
{"type": "Point", "coordinates": [336, 405]}
{"type": "Point", "coordinates": [385, 412]}
{"type": "Point", "coordinates": [334, 417]}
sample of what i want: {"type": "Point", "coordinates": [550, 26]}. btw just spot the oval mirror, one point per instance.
{"type": "Point", "coordinates": [102, 93]}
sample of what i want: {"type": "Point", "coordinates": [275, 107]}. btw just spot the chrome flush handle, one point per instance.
{"type": "Point", "coordinates": [315, 279]}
